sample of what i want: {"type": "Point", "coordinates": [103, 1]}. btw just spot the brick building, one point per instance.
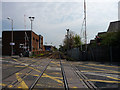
{"type": "Point", "coordinates": [24, 40]}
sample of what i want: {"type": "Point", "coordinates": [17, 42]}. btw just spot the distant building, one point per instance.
{"type": "Point", "coordinates": [114, 26]}
{"type": "Point", "coordinates": [48, 47]}
{"type": "Point", "coordinates": [24, 40]}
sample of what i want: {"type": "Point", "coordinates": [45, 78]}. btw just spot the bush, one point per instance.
{"type": "Point", "coordinates": [110, 38]}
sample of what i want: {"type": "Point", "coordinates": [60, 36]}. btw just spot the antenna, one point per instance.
{"type": "Point", "coordinates": [85, 24]}
{"type": "Point", "coordinates": [25, 21]}
{"type": "Point", "coordinates": [25, 30]}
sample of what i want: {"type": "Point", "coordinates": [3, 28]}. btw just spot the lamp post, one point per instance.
{"type": "Point", "coordinates": [67, 39]}
{"type": "Point", "coordinates": [31, 19]}
{"type": "Point", "coordinates": [11, 35]}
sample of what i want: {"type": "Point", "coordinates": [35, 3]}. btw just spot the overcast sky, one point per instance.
{"type": "Point", "coordinates": [53, 18]}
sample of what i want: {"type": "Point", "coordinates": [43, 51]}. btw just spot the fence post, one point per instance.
{"type": "Point", "coordinates": [111, 54]}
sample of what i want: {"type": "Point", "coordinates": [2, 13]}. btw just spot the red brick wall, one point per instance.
{"type": "Point", "coordinates": [35, 42]}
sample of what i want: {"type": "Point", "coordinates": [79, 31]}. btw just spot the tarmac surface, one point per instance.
{"type": "Point", "coordinates": [48, 73]}
{"type": "Point", "coordinates": [101, 75]}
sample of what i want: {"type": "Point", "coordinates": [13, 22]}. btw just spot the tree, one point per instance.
{"type": "Point", "coordinates": [68, 42]}
{"type": "Point", "coordinates": [77, 41]}
{"type": "Point", "coordinates": [71, 41]}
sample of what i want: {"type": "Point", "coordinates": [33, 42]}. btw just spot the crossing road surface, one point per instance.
{"type": "Point", "coordinates": [50, 73]}
{"type": "Point", "coordinates": [101, 75]}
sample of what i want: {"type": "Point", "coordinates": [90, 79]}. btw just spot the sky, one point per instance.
{"type": "Point", "coordinates": [53, 17]}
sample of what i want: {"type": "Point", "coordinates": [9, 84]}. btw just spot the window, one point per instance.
{"type": "Point", "coordinates": [36, 40]}
{"type": "Point", "coordinates": [33, 38]}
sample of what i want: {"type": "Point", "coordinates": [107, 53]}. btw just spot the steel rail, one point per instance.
{"type": "Point", "coordinates": [64, 76]}
{"type": "Point", "coordinates": [18, 70]}
{"type": "Point", "coordinates": [24, 76]}
{"type": "Point", "coordinates": [40, 75]}
{"type": "Point", "coordinates": [29, 73]}
{"type": "Point", "coordinates": [85, 80]}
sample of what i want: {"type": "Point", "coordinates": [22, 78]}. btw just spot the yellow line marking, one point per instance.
{"type": "Point", "coordinates": [29, 74]}
{"type": "Point", "coordinates": [35, 69]}
{"type": "Point", "coordinates": [19, 66]}
{"type": "Point", "coordinates": [19, 62]}
{"type": "Point", "coordinates": [47, 75]}
{"type": "Point", "coordinates": [57, 63]}
{"type": "Point", "coordinates": [95, 80]}
{"type": "Point", "coordinates": [101, 69]}
{"type": "Point", "coordinates": [36, 75]}
{"type": "Point", "coordinates": [113, 78]}
{"type": "Point", "coordinates": [103, 81]}
{"type": "Point", "coordinates": [1, 84]}
{"type": "Point", "coordinates": [33, 74]}
{"type": "Point", "coordinates": [104, 65]}
{"type": "Point", "coordinates": [97, 71]}
{"type": "Point", "coordinates": [55, 73]}
{"type": "Point", "coordinates": [90, 71]}
{"type": "Point", "coordinates": [54, 78]}
{"type": "Point", "coordinates": [22, 83]}
{"type": "Point", "coordinates": [39, 72]}
{"type": "Point", "coordinates": [10, 86]}
{"type": "Point", "coordinates": [74, 87]}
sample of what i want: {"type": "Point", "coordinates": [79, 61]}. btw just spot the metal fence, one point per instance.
{"type": "Point", "coordinates": [98, 53]}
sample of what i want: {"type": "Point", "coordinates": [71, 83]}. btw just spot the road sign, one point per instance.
{"type": "Point", "coordinates": [12, 44]}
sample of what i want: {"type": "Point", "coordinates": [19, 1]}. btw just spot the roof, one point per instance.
{"type": "Point", "coordinates": [16, 30]}
{"type": "Point", "coordinates": [114, 26]}
{"type": "Point", "coordinates": [48, 45]}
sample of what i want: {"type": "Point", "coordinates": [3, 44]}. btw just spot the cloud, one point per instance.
{"type": "Point", "coordinates": [52, 19]}
{"type": "Point", "coordinates": [59, 0]}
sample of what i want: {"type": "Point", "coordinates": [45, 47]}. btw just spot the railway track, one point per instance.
{"type": "Point", "coordinates": [64, 76]}
{"type": "Point", "coordinates": [18, 70]}
{"type": "Point", "coordinates": [16, 82]}
{"type": "Point", "coordinates": [55, 56]}
{"type": "Point", "coordinates": [34, 83]}
{"type": "Point", "coordinates": [42, 69]}
{"type": "Point", "coordinates": [88, 84]}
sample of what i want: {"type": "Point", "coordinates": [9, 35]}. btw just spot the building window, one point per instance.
{"type": "Point", "coordinates": [36, 40]}
{"type": "Point", "coordinates": [33, 38]}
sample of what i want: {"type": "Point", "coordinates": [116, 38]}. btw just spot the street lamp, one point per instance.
{"type": "Point", "coordinates": [11, 36]}
{"type": "Point", "coordinates": [31, 19]}
{"type": "Point", "coordinates": [67, 39]}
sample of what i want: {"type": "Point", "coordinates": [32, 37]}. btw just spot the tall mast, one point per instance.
{"type": "Point", "coordinates": [85, 24]}
{"type": "Point", "coordinates": [25, 30]}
